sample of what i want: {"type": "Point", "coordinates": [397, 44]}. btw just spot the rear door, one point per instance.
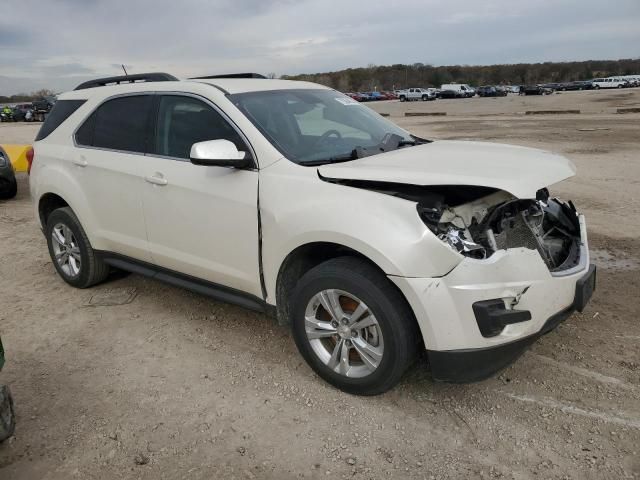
{"type": "Point", "coordinates": [201, 221]}
{"type": "Point", "coordinates": [108, 163]}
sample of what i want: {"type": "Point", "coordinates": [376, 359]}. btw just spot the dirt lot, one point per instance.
{"type": "Point", "coordinates": [174, 385]}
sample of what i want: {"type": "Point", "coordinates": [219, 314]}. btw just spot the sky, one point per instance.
{"type": "Point", "coordinates": [57, 44]}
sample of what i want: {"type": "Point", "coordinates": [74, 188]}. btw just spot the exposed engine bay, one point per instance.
{"type": "Point", "coordinates": [499, 221]}
{"type": "Point", "coordinates": [478, 221]}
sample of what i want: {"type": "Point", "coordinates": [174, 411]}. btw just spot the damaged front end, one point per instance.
{"type": "Point", "coordinates": [480, 227]}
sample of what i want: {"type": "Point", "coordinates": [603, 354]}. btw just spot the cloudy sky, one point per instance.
{"type": "Point", "coordinates": [57, 43]}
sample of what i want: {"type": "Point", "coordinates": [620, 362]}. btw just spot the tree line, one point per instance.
{"type": "Point", "coordinates": [388, 77]}
{"type": "Point", "coordinates": [26, 97]}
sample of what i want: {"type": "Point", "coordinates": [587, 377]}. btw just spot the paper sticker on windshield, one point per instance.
{"type": "Point", "coordinates": [346, 101]}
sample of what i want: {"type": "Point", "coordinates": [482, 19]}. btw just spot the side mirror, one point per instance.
{"type": "Point", "coordinates": [218, 153]}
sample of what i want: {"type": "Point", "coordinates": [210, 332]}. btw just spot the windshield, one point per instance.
{"type": "Point", "coordinates": [317, 125]}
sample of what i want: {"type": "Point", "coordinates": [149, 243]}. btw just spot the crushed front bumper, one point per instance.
{"type": "Point", "coordinates": [536, 299]}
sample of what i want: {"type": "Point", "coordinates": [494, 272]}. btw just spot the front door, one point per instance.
{"type": "Point", "coordinates": [201, 221]}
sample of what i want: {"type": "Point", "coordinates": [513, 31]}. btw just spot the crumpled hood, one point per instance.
{"type": "Point", "coordinates": [520, 171]}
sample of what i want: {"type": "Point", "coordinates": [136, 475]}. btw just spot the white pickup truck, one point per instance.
{"type": "Point", "coordinates": [410, 94]}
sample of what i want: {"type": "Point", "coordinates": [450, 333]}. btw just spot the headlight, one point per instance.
{"type": "Point", "coordinates": [3, 161]}
{"type": "Point", "coordinates": [455, 237]}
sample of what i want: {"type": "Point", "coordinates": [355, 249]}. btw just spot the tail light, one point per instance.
{"type": "Point", "coordinates": [29, 159]}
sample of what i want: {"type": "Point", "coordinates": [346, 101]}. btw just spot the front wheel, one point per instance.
{"type": "Point", "coordinates": [403, 99]}
{"type": "Point", "coordinates": [71, 253]}
{"type": "Point", "coordinates": [425, 98]}
{"type": "Point", "coordinates": [353, 327]}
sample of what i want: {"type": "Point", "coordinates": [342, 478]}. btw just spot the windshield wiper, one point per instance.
{"type": "Point", "coordinates": [335, 159]}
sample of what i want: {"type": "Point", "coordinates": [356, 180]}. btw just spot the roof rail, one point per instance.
{"type": "Point", "coordinates": [138, 77]}
{"type": "Point", "coordinates": [230, 75]}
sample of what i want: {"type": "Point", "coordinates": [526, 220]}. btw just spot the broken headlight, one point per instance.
{"type": "Point", "coordinates": [452, 230]}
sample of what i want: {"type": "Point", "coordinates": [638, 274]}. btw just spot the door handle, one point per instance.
{"type": "Point", "coordinates": [80, 162]}
{"type": "Point", "coordinates": [157, 179]}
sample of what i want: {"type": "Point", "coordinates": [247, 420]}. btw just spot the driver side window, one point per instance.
{"type": "Point", "coordinates": [183, 121]}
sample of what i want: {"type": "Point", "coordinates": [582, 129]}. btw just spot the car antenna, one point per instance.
{"type": "Point", "coordinates": [125, 70]}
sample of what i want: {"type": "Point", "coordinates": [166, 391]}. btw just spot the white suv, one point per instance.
{"type": "Point", "coordinates": [292, 199]}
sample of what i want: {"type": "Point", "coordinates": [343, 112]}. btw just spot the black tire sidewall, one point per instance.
{"type": "Point", "coordinates": [64, 217]}
{"type": "Point", "coordinates": [394, 360]}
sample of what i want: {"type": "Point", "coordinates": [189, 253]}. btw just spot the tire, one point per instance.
{"type": "Point", "coordinates": [91, 269]}
{"type": "Point", "coordinates": [425, 98]}
{"type": "Point", "coordinates": [597, 87]}
{"type": "Point", "coordinates": [393, 340]}
{"type": "Point", "coordinates": [10, 192]}
{"type": "Point", "coordinates": [7, 414]}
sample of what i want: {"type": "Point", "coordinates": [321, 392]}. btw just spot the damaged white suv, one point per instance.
{"type": "Point", "coordinates": [292, 199]}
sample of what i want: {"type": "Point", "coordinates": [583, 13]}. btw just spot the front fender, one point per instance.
{"type": "Point", "coordinates": [297, 208]}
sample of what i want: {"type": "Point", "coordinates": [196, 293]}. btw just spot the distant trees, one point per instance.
{"type": "Point", "coordinates": [387, 77]}
{"type": "Point", "coordinates": [26, 97]}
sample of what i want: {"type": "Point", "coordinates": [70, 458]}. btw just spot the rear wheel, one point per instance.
{"type": "Point", "coordinates": [353, 327]}
{"type": "Point", "coordinates": [70, 250]}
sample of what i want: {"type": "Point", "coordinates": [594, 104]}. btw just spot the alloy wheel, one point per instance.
{"type": "Point", "coordinates": [344, 333]}
{"type": "Point", "coordinates": [65, 250]}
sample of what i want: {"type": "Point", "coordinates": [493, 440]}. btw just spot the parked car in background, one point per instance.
{"type": "Point", "coordinates": [7, 415]}
{"type": "Point", "coordinates": [577, 85]}
{"type": "Point", "coordinates": [388, 95]}
{"type": "Point", "coordinates": [553, 86]}
{"type": "Point", "coordinates": [23, 112]}
{"type": "Point", "coordinates": [462, 88]}
{"type": "Point", "coordinates": [411, 94]}
{"type": "Point", "coordinates": [609, 82]}
{"type": "Point", "coordinates": [8, 183]}
{"type": "Point", "coordinates": [634, 80]}
{"type": "Point", "coordinates": [44, 104]}
{"type": "Point", "coordinates": [491, 91]}
{"type": "Point", "coordinates": [533, 90]}
{"type": "Point", "coordinates": [370, 242]}
{"type": "Point", "coordinates": [445, 94]}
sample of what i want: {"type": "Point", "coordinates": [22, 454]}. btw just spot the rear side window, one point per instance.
{"type": "Point", "coordinates": [58, 114]}
{"type": "Point", "coordinates": [119, 124]}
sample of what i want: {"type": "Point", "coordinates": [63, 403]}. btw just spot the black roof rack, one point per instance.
{"type": "Point", "coordinates": [138, 77]}
{"type": "Point", "coordinates": [230, 75]}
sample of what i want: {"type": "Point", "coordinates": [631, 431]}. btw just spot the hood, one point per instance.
{"type": "Point", "coordinates": [521, 171]}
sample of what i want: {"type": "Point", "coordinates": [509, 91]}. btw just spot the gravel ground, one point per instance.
{"type": "Point", "coordinates": [174, 385]}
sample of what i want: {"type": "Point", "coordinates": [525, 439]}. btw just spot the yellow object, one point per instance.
{"type": "Point", "coordinates": [17, 155]}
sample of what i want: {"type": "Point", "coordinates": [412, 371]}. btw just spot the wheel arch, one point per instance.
{"type": "Point", "coordinates": [47, 204]}
{"type": "Point", "coordinates": [302, 259]}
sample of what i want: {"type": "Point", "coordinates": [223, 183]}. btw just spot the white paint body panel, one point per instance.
{"type": "Point", "coordinates": [204, 221]}
{"type": "Point", "coordinates": [443, 306]}
{"type": "Point", "coordinates": [520, 171]}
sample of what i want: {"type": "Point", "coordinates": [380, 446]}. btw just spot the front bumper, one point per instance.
{"type": "Point", "coordinates": [458, 350]}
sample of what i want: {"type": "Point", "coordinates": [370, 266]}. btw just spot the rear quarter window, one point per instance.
{"type": "Point", "coordinates": [62, 110]}
{"type": "Point", "coordinates": [118, 124]}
